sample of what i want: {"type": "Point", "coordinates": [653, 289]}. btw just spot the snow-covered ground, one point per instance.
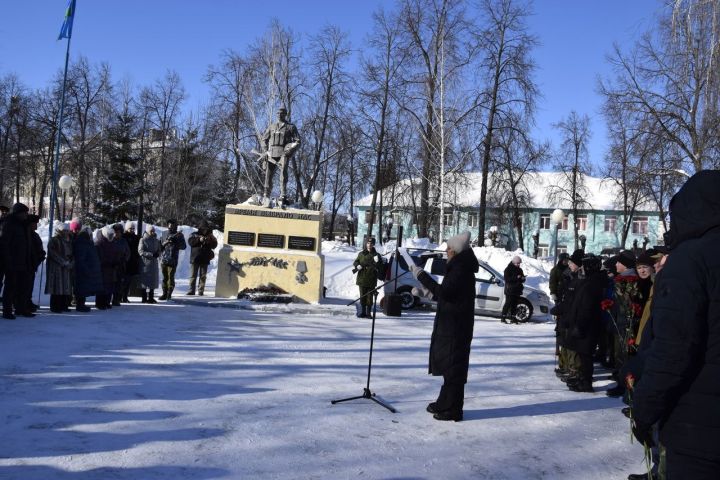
{"type": "Point", "coordinates": [203, 388]}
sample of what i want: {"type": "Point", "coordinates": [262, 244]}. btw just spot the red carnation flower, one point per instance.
{"type": "Point", "coordinates": [606, 304]}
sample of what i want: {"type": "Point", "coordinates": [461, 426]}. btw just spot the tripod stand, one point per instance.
{"type": "Point", "coordinates": [367, 393]}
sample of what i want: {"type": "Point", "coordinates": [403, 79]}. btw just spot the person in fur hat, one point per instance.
{"type": "Point", "coordinates": [365, 266]}
{"type": "Point", "coordinates": [59, 282]}
{"type": "Point", "coordinates": [453, 327]}
{"type": "Point", "coordinates": [149, 250]}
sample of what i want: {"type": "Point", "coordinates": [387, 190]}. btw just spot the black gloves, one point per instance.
{"type": "Point", "coordinates": [643, 433]}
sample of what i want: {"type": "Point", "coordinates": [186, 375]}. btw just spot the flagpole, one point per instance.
{"type": "Point", "coordinates": [53, 188]}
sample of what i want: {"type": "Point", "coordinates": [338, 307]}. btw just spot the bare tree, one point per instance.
{"type": "Point", "coordinates": [88, 87]}
{"type": "Point", "coordinates": [573, 164]}
{"type": "Point", "coordinates": [229, 83]}
{"type": "Point", "coordinates": [330, 51]}
{"type": "Point", "coordinates": [162, 102]}
{"type": "Point", "coordinates": [380, 74]}
{"type": "Point", "coordinates": [519, 159]}
{"type": "Point", "coordinates": [672, 75]}
{"type": "Point", "coordinates": [508, 69]}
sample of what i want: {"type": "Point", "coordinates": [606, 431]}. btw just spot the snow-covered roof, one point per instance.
{"type": "Point", "coordinates": [544, 188]}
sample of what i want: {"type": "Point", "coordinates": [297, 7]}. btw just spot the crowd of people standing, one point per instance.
{"type": "Point", "coordinates": [111, 264]}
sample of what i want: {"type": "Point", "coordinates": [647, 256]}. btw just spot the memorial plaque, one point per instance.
{"type": "Point", "coordinates": [270, 240]}
{"type": "Point", "coordinates": [246, 239]}
{"type": "Point", "coordinates": [301, 243]}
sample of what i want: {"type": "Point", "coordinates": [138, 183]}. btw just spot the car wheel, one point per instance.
{"type": "Point", "coordinates": [523, 311]}
{"type": "Point", "coordinates": [407, 299]}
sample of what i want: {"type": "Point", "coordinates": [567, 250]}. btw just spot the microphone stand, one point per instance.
{"type": "Point", "coordinates": [367, 393]}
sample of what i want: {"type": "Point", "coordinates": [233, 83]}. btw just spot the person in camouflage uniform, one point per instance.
{"type": "Point", "coordinates": [366, 265]}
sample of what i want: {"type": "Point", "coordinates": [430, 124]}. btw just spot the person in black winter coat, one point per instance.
{"type": "Point", "coordinates": [37, 256]}
{"type": "Point", "coordinates": [122, 248]}
{"type": "Point", "coordinates": [680, 386]}
{"type": "Point", "coordinates": [585, 321]}
{"type": "Point", "coordinates": [202, 243]}
{"type": "Point", "coordinates": [132, 266]}
{"type": "Point", "coordinates": [514, 279]}
{"type": "Point", "coordinates": [453, 327]}
{"type": "Point", "coordinates": [88, 279]}
{"type": "Point", "coordinates": [16, 261]}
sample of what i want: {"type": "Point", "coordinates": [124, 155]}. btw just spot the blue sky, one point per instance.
{"type": "Point", "coordinates": [141, 39]}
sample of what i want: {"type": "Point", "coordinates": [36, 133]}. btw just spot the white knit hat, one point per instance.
{"type": "Point", "coordinates": [460, 242]}
{"type": "Point", "coordinates": [149, 228]}
{"type": "Point", "coordinates": [129, 225]}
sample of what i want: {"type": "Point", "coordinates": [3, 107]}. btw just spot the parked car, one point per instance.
{"type": "Point", "coordinates": [405, 280]}
{"type": "Point", "coordinates": [489, 287]}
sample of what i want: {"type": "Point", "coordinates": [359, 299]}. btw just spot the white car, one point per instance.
{"type": "Point", "coordinates": [490, 291]}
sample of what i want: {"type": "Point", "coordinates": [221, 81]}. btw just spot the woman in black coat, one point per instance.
{"type": "Point", "coordinates": [514, 279]}
{"type": "Point", "coordinates": [453, 327]}
{"type": "Point", "coordinates": [88, 280]}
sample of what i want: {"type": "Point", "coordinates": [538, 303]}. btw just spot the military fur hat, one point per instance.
{"type": "Point", "coordinates": [577, 257]}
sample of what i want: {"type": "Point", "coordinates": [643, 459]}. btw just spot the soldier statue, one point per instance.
{"type": "Point", "coordinates": [280, 141]}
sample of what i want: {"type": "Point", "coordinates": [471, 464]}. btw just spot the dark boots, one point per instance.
{"type": "Point", "coordinates": [169, 293]}
{"type": "Point", "coordinates": [143, 296]}
{"type": "Point", "coordinates": [80, 305]}
{"type": "Point", "coordinates": [164, 295]}
{"type": "Point", "coordinates": [151, 297]}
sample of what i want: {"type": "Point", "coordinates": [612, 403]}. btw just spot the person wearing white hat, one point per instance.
{"type": "Point", "coordinates": [453, 328]}
{"type": "Point", "coordinates": [149, 250]}
{"type": "Point", "coordinates": [514, 279]}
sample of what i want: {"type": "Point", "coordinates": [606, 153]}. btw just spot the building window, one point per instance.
{"type": "Point", "coordinates": [473, 219]}
{"type": "Point", "coordinates": [448, 219]}
{"type": "Point", "coordinates": [564, 225]}
{"type": "Point", "coordinates": [397, 218]}
{"type": "Point", "coordinates": [581, 222]}
{"type": "Point", "coordinates": [543, 250]}
{"type": "Point", "coordinates": [561, 249]}
{"type": "Point", "coordinates": [367, 216]}
{"type": "Point", "coordinates": [610, 223]}
{"type": "Point", "coordinates": [640, 226]}
{"type": "Point", "coordinates": [544, 221]}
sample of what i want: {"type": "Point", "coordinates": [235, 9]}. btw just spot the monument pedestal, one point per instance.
{"type": "Point", "coordinates": [275, 248]}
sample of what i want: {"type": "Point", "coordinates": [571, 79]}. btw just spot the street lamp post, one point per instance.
{"type": "Point", "coordinates": [65, 183]}
{"type": "Point", "coordinates": [556, 217]}
{"type": "Point", "coordinates": [317, 198]}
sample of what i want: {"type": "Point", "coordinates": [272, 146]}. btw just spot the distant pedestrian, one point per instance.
{"type": "Point", "coordinates": [16, 261]}
{"type": "Point", "coordinates": [123, 252]}
{"type": "Point", "coordinates": [202, 243]}
{"type": "Point", "coordinates": [37, 256]}
{"type": "Point", "coordinates": [59, 269]}
{"type": "Point", "coordinates": [132, 266]}
{"type": "Point", "coordinates": [514, 280]}
{"type": "Point", "coordinates": [171, 247]}
{"type": "Point", "coordinates": [88, 278]}
{"type": "Point", "coordinates": [149, 250]}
